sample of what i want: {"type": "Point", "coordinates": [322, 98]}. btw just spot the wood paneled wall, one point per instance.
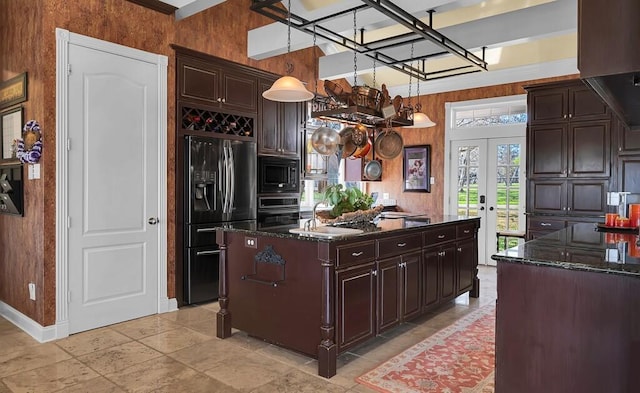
{"type": "Point", "coordinates": [434, 106]}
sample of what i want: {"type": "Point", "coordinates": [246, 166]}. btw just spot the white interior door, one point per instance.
{"type": "Point", "coordinates": [112, 188]}
{"type": "Point", "coordinates": [490, 184]}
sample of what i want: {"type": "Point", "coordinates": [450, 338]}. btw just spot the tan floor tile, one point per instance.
{"type": "Point", "coordinates": [7, 327]}
{"type": "Point", "coordinates": [119, 357]}
{"type": "Point", "coordinates": [4, 388]}
{"type": "Point", "coordinates": [30, 358]}
{"type": "Point", "coordinates": [91, 341]}
{"type": "Point", "coordinates": [299, 382]}
{"type": "Point", "coordinates": [248, 372]}
{"type": "Point", "coordinates": [153, 375]}
{"type": "Point", "coordinates": [284, 355]}
{"type": "Point", "coordinates": [175, 340]}
{"type": "Point", "coordinates": [213, 306]}
{"type": "Point", "coordinates": [15, 341]}
{"type": "Point", "coordinates": [145, 327]}
{"type": "Point", "coordinates": [206, 327]}
{"type": "Point", "coordinates": [350, 367]}
{"type": "Point", "coordinates": [50, 378]}
{"type": "Point", "coordinates": [199, 383]}
{"type": "Point", "coordinates": [190, 314]}
{"type": "Point", "coordinates": [245, 341]}
{"type": "Point", "coordinates": [207, 355]}
{"type": "Point", "coordinates": [95, 385]}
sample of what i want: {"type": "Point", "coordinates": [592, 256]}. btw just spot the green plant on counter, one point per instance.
{"type": "Point", "coordinates": [346, 200]}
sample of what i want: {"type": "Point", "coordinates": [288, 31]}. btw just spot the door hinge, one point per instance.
{"type": "Point", "coordinates": [68, 296]}
{"type": "Point", "coordinates": [68, 222]}
{"type": "Point", "coordinates": [68, 144]}
{"type": "Point", "coordinates": [68, 69]}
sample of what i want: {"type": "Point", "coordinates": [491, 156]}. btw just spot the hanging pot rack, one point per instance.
{"type": "Point", "coordinates": [418, 31]}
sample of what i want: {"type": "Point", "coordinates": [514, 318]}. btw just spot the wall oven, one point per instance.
{"type": "Point", "coordinates": [278, 175]}
{"type": "Point", "coordinates": [278, 211]}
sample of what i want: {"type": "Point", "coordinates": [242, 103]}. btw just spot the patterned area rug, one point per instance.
{"type": "Point", "coordinates": [458, 359]}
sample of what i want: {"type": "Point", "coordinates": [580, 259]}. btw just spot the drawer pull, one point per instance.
{"type": "Point", "coordinates": [401, 244]}
{"type": "Point", "coordinates": [441, 253]}
{"type": "Point", "coordinates": [545, 224]}
{"type": "Point", "coordinates": [466, 231]}
{"type": "Point", "coordinates": [441, 236]}
{"type": "Point", "coordinates": [459, 249]}
{"type": "Point", "coordinates": [356, 254]}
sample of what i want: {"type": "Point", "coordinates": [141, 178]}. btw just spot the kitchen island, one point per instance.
{"type": "Point", "coordinates": [568, 313]}
{"type": "Point", "coordinates": [321, 297]}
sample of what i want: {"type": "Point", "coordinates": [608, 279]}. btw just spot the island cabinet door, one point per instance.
{"type": "Point", "coordinates": [448, 270]}
{"type": "Point", "coordinates": [466, 259]}
{"type": "Point", "coordinates": [356, 305]}
{"type": "Point", "coordinates": [389, 271]}
{"type": "Point", "coordinates": [431, 278]}
{"type": "Point", "coordinates": [411, 300]}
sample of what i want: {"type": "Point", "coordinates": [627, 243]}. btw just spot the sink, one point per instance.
{"type": "Point", "coordinates": [326, 232]}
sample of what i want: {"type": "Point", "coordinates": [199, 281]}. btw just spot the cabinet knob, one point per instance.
{"type": "Point", "coordinates": [564, 116]}
{"type": "Point", "coordinates": [374, 273]}
{"type": "Point", "coordinates": [219, 99]}
{"type": "Point", "coordinates": [459, 249]}
{"type": "Point", "coordinates": [442, 253]}
{"type": "Point", "coordinates": [570, 115]}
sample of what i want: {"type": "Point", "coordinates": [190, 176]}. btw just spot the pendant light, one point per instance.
{"type": "Point", "coordinates": [288, 88]}
{"type": "Point", "coordinates": [420, 120]}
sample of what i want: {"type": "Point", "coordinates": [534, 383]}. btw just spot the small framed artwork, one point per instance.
{"type": "Point", "coordinates": [10, 133]}
{"type": "Point", "coordinates": [417, 168]}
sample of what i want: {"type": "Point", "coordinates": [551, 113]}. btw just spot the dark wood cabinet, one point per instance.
{"type": "Point", "coordinates": [569, 152]}
{"type": "Point", "coordinates": [217, 85]}
{"type": "Point", "coordinates": [568, 197]}
{"type": "Point", "coordinates": [431, 278]}
{"type": "Point", "coordinates": [278, 132]}
{"type": "Point", "coordinates": [389, 276]}
{"type": "Point", "coordinates": [467, 264]}
{"type": "Point", "coordinates": [572, 101]}
{"type": "Point", "coordinates": [447, 255]}
{"type": "Point", "coordinates": [572, 149]}
{"type": "Point", "coordinates": [628, 173]}
{"type": "Point", "coordinates": [356, 305]}
{"type": "Point", "coordinates": [411, 289]}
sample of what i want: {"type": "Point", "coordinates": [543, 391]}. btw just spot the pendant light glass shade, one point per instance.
{"type": "Point", "coordinates": [420, 120]}
{"type": "Point", "coordinates": [288, 89]}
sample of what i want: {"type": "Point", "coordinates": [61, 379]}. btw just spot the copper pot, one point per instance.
{"type": "Point", "coordinates": [348, 147]}
{"type": "Point", "coordinates": [364, 150]}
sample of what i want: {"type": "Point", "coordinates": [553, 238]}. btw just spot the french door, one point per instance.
{"type": "Point", "coordinates": [487, 180]}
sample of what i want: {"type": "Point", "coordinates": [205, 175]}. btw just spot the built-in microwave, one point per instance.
{"type": "Point", "coordinates": [276, 175]}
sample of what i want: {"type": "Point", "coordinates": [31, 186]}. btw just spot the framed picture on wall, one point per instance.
{"type": "Point", "coordinates": [417, 168]}
{"type": "Point", "coordinates": [10, 132]}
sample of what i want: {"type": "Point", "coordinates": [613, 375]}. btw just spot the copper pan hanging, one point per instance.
{"type": "Point", "coordinates": [388, 144]}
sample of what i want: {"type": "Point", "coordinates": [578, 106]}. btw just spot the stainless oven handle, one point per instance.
{"type": "Point", "coordinates": [199, 253]}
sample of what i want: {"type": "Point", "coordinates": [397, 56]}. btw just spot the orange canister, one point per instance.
{"type": "Point", "coordinates": [634, 215]}
{"type": "Point", "coordinates": [610, 219]}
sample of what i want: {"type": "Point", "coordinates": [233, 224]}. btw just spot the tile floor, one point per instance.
{"type": "Point", "coordinates": [178, 352]}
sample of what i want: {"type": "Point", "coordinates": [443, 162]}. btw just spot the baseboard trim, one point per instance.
{"type": "Point", "coordinates": [34, 329]}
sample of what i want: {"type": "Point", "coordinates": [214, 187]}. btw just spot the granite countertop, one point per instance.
{"type": "Point", "coordinates": [378, 226]}
{"type": "Point", "coordinates": [582, 247]}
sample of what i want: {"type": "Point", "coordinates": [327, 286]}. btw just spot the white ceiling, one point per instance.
{"type": "Point", "coordinates": [525, 39]}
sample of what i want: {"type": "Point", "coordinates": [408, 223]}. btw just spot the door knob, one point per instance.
{"type": "Point", "coordinates": [481, 207]}
{"type": "Point", "coordinates": [491, 208]}
{"type": "Point", "coordinates": [153, 220]}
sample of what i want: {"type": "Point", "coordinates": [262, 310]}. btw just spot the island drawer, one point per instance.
{"type": "Point", "coordinates": [439, 235]}
{"type": "Point", "coordinates": [355, 254]}
{"type": "Point", "coordinates": [544, 224]}
{"type": "Point", "coordinates": [398, 245]}
{"type": "Point", "coordinates": [465, 230]}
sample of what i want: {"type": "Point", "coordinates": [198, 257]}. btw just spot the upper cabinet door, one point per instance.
{"type": "Point", "coordinates": [290, 136]}
{"type": "Point", "coordinates": [589, 149]}
{"type": "Point", "coordinates": [268, 130]}
{"type": "Point", "coordinates": [584, 104]}
{"type": "Point", "coordinates": [547, 151]}
{"type": "Point", "coordinates": [198, 81]}
{"type": "Point", "coordinates": [239, 92]}
{"type": "Point", "coordinates": [548, 106]}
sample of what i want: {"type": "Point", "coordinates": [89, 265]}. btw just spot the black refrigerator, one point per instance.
{"type": "Point", "coordinates": [220, 190]}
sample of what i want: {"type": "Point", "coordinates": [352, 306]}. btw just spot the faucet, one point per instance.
{"type": "Point", "coordinates": [310, 225]}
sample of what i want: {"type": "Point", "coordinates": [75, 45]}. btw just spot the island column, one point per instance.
{"type": "Point", "coordinates": [327, 349]}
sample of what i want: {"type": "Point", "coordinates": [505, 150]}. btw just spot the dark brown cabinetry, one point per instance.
{"type": "Point", "coordinates": [279, 133]}
{"type": "Point", "coordinates": [608, 59]}
{"type": "Point", "coordinates": [356, 308]}
{"type": "Point", "coordinates": [569, 153]}
{"type": "Point", "coordinates": [216, 85]}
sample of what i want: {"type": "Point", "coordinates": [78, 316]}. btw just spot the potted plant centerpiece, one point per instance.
{"type": "Point", "coordinates": [348, 205]}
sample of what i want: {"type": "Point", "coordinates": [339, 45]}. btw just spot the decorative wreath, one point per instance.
{"type": "Point", "coordinates": [29, 149]}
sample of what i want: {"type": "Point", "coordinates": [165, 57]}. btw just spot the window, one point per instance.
{"type": "Point", "coordinates": [497, 114]}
